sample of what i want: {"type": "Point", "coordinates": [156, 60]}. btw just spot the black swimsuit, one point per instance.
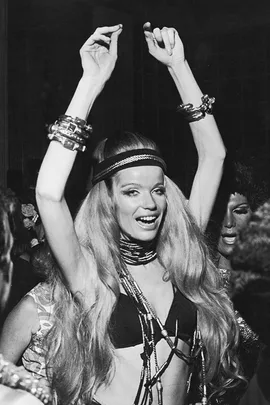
{"type": "Point", "coordinates": [125, 328]}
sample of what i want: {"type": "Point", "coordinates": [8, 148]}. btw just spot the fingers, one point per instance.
{"type": "Point", "coordinates": [164, 38]}
{"type": "Point", "coordinates": [149, 36]}
{"type": "Point", "coordinates": [147, 27]}
{"type": "Point", "coordinates": [103, 34]}
{"type": "Point", "coordinates": [108, 30]}
{"type": "Point", "coordinates": [114, 40]}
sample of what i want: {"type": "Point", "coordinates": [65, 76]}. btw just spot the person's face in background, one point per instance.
{"type": "Point", "coordinates": [236, 217]}
{"type": "Point", "coordinates": [140, 201]}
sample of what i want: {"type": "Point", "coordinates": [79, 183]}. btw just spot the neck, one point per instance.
{"type": "Point", "coordinates": [224, 263]}
{"type": "Point", "coordinates": [136, 252]}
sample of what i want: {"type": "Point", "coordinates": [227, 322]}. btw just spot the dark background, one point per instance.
{"type": "Point", "coordinates": [227, 44]}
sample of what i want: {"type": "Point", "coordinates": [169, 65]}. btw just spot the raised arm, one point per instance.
{"type": "Point", "coordinates": [98, 56]}
{"type": "Point", "coordinates": [166, 46]}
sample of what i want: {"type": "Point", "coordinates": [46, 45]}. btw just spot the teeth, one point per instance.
{"type": "Point", "coordinates": [229, 239]}
{"type": "Point", "coordinates": [147, 218]}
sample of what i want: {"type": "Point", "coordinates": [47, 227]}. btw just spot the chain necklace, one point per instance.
{"type": "Point", "coordinates": [147, 316]}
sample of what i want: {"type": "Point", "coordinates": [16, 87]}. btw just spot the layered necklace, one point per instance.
{"type": "Point", "coordinates": [137, 253]}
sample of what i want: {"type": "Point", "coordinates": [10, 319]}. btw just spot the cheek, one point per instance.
{"type": "Point", "coordinates": [124, 208]}
{"type": "Point", "coordinates": [242, 222]}
{"type": "Point", "coordinates": [161, 202]}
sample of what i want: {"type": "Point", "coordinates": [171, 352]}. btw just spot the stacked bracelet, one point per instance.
{"type": "Point", "coordinates": [192, 113]}
{"type": "Point", "coordinates": [72, 133]}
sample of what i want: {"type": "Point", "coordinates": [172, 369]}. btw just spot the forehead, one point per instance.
{"type": "Point", "coordinates": [237, 199]}
{"type": "Point", "coordinates": [142, 175]}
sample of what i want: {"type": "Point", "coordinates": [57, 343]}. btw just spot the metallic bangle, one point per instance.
{"type": "Point", "coordinates": [67, 143]}
{"type": "Point", "coordinates": [71, 132]}
{"type": "Point", "coordinates": [69, 128]}
{"type": "Point", "coordinates": [67, 134]}
{"type": "Point", "coordinates": [78, 121]}
{"type": "Point", "coordinates": [192, 113]}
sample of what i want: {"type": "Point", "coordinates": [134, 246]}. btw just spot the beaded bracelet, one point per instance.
{"type": "Point", "coordinates": [16, 378]}
{"type": "Point", "coordinates": [192, 113]}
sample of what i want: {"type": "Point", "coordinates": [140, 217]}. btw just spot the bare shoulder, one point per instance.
{"type": "Point", "coordinates": [25, 314]}
{"type": "Point", "coordinates": [28, 306]}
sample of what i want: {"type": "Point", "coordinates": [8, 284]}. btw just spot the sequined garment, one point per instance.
{"type": "Point", "coordinates": [249, 338]}
{"type": "Point", "coordinates": [17, 378]}
{"type": "Point", "coordinates": [33, 358]}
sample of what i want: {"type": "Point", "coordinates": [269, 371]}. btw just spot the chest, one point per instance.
{"type": "Point", "coordinates": [158, 292]}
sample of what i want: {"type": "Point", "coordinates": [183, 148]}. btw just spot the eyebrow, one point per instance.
{"type": "Point", "coordinates": [139, 185]}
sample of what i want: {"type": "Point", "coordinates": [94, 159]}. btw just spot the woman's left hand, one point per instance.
{"type": "Point", "coordinates": [164, 44]}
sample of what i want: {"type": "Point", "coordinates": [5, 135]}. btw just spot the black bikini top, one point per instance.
{"type": "Point", "coordinates": [125, 328]}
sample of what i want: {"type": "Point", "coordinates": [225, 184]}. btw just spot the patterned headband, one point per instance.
{"type": "Point", "coordinates": [131, 158]}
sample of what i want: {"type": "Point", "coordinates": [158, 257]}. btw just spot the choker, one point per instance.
{"type": "Point", "coordinates": [137, 253]}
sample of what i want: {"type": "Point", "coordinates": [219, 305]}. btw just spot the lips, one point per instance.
{"type": "Point", "coordinates": [147, 221]}
{"type": "Point", "coordinates": [229, 239]}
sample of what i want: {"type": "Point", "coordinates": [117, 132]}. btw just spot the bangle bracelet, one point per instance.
{"type": "Point", "coordinates": [80, 122]}
{"type": "Point", "coordinates": [192, 113]}
{"type": "Point", "coordinates": [71, 132]}
{"type": "Point", "coordinates": [67, 143]}
{"type": "Point", "coordinates": [68, 134]}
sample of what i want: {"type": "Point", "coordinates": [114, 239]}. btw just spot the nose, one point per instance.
{"type": "Point", "coordinates": [229, 220]}
{"type": "Point", "coordinates": [149, 202]}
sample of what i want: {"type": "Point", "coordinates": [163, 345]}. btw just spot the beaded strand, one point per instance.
{"type": "Point", "coordinates": [146, 316]}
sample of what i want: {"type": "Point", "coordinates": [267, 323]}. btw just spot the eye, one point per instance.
{"type": "Point", "coordinates": [159, 190]}
{"type": "Point", "coordinates": [242, 211]}
{"type": "Point", "coordinates": [131, 193]}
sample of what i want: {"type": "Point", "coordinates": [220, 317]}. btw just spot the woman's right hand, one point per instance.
{"type": "Point", "coordinates": [99, 52]}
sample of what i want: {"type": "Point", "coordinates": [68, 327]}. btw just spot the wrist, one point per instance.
{"type": "Point", "coordinates": [91, 84]}
{"type": "Point", "coordinates": [178, 68]}
{"type": "Point", "coordinates": [88, 89]}
{"type": "Point", "coordinates": [185, 83]}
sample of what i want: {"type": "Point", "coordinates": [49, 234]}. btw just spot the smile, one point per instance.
{"type": "Point", "coordinates": [148, 221]}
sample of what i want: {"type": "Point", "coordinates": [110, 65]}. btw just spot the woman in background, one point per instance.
{"type": "Point", "coordinates": [239, 194]}
{"type": "Point", "coordinates": [252, 256]}
{"type": "Point", "coordinates": [16, 386]}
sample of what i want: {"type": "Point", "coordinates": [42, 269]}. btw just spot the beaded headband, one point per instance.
{"type": "Point", "coordinates": [131, 158]}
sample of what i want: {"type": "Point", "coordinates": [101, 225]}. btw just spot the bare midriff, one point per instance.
{"type": "Point", "coordinates": [123, 387]}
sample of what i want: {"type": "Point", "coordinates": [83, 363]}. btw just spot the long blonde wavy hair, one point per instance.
{"type": "Point", "coordinates": [81, 352]}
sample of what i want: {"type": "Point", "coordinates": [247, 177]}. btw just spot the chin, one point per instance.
{"type": "Point", "coordinates": [144, 236]}
{"type": "Point", "coordinates": [226, 252]}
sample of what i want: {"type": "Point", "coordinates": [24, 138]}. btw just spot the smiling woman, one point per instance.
{"type": "Point", "coordinates": [142, 309]}
{"type": "Point", "coordinates": [140, 201]}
